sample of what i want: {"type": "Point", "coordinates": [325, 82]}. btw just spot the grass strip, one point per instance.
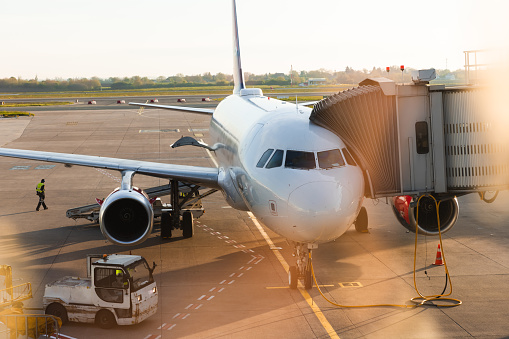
{"type": "Point", "coordinates": [33, 104]}
{"type": "Point", "coordinates": [14, 114]}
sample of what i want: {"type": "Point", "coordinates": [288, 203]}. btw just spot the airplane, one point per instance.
{"type": "Point", "coordinates": [298, 178]}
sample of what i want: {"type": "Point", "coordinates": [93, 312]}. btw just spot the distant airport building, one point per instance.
{"type": "Point", "coordinates": [316, 81]}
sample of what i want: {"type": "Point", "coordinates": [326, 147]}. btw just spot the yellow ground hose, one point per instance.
{"type": "Point", "coordinates": [421, 299]}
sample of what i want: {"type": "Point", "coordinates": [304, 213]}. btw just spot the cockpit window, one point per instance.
{"type": "Point", "coordinates": [301, 160]}
{"type": "Point", "coordinates": [348, 157]}
{"type": "Point", "coordinates": [276, 160]}
{"type": "Point", "coordinates": [264, 158]}
{"type": "Point", "coordinates": [330, 159]}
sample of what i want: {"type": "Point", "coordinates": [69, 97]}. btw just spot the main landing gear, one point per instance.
{"type": "Point", "coordinates": [171, 220]}
{"type": "Point", "coordinates": [361, 223]}
{"type": "Point", "coordinates": [302, 269]}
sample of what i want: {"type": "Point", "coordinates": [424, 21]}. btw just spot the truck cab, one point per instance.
{"type": "Point", "coordinates": [118, 290]}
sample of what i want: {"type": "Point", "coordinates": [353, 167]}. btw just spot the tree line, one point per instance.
{"type": "Point", "coordinates": [347, 76]}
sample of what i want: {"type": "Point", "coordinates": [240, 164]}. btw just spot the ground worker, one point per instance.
{"type": "Point", "coordinates": [40, 191]}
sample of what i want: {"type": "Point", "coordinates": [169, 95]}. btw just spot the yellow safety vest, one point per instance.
{"type": "Point", "coordinates": [39, 187]}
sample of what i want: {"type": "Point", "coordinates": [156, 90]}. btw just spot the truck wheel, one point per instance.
{"type": "Point", "coordinates": [105, 319]}
{"type": "Point", "coordinates": [187, 224]}
{"type": "Point", "coordinates": [57, 310]}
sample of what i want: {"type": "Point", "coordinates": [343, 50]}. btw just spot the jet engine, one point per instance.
{"type": "Point", "coordinates": [405, 210]}
{"type": "Point", "coordinates": [126, 217]}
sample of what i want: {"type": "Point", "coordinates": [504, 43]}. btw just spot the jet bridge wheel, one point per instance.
{"type": "Point", "coordinates": [361, 223]}
{"type": "Point", "coordinates": [105, 319]}
{"type": "Point", "coordinates": [187, 224]}
{"type": "Point", "coordinates": [57, 310]}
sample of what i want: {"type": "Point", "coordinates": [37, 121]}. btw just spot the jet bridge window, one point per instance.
{"type": "Point", "coordinates": [348, 157]}
{"type": "Point", "coordinates": [276, 160]}
{"type": "Point", "coordinates": [330, 159]}
{"type": "Point", "coordinates": [264, 158]}
{"type": "Point", "coordinates": [300, 160]}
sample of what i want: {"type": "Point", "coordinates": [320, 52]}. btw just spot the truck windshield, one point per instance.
{"type": "Point", "coordinates": [140, 275]}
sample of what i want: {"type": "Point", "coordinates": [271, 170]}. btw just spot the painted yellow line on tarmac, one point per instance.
{"type": "Point", "coordinates": [314, 307]}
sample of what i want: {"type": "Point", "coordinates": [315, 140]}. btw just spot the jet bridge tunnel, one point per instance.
{"type": "Point", "coordinates": [412, 139]}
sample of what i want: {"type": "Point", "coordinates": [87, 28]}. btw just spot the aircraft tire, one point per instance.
{"type": "Point", "coordinates": [293, 277]}
{"type": "Point", "coordinates": [165, 225]}
{"type": "Point", "coordinates": [361, 223]}
{"type": "Point", "coordinates": [308, 279]}
{"type": "Point", "coordinates": [187, 224]}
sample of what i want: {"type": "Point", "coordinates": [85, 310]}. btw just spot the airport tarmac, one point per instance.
{"type": "Point", "coordinates": [227, 281]}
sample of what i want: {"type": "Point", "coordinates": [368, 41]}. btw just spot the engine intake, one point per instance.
{"type": "Point", "coordinates": [126, 217]}
{"type": "Point", "coordinates": [406, 213]}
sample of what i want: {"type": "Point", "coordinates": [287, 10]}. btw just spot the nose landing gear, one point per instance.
{"type": "Point", "coordinates": [302, 269]}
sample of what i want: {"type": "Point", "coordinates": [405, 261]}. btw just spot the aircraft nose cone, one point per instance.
{"type": "Point", "coordinates": [320, 210]}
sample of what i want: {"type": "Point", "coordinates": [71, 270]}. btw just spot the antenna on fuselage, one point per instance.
{"type": "Point", "coordinates": [238, 77]}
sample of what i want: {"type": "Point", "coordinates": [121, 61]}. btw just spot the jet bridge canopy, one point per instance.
{"type": "Point", "coordinates": [415, 139]}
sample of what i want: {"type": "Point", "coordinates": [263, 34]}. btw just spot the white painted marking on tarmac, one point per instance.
{"type": "Point", "coordinates": [210, 156]}
{"type": "Point", "coordinates": [171, 328]}
{"type": "Point", "coordinates": [210, 298]}
{"type": "Point", "coordinates": [190, 305]}
{"type": "Point", "coordinates": [220, 290]}
{"type": "Point", "coordinates": [222, 282]}
{"type": "Point", "coordinates": [212, 289]}
{"type": "Point", "coordinates": [176, 315]}
{"type": "Point", "coordinates": [240, 275]}
{"type": "Point", "coordinates": [63, 336]}
{"type": "Point", "coordinates": [231, 275]}
{"type": "Point", "coordinates": [247, 269]}
{"type": "Point", "coordinates": [241, 268]}
{"type": "Point", "coordinates": [200, 298]}
{"type": "Point", "coordinates": [160, 327]}
{"type": "Point", "coordinates": [197, 307]}
{"type": "Point", "coordinates": [187, 315]}
{"type": "Point", "coordinates": [231, 282]}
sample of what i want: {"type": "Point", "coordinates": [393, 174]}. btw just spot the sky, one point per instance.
{"type": "Point", "coordinates": [60, 39]}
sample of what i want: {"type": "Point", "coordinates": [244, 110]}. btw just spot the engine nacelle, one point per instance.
{"type": "Point", "coordinates": [126, 217]}
{"type": "Point", "coordinates": [406, 214]}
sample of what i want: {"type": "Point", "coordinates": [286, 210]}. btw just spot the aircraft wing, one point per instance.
{"type": "Point", "coordinates": [207, 111]}
{"type": "Point", "coordinates": [203, 176]}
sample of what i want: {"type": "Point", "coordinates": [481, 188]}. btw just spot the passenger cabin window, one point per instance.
{"type": "Point", "coordinates": [276, 160]}
{"type": "Point", "coordinates": [348, 157]}
{"type": "Point", "coordinates": [300, 160]}
{"type": "Point", "coordinates": [330, 159]}
{"type": "Point", "coordinates": [264, 158]}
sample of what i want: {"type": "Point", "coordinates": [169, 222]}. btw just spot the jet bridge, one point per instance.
{"type": "Point", "coordinates": [412, 139]}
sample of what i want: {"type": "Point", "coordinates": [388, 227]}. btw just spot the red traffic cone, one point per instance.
{"type": "Point", "coordinates": [438, 260]}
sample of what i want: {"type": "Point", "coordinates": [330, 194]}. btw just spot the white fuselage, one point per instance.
{"type": "Point", "coordinates": [306, 204]}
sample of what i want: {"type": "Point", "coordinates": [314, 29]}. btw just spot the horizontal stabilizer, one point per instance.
{"type": "Point", "coordinates": [206, 111]}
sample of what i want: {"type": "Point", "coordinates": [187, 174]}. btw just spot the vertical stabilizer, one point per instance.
{"type": "Point", "coordinates": [238, 77]}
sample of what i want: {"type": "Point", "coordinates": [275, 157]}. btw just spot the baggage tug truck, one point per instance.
{"type": "Point", "coordinates": [118, 290]}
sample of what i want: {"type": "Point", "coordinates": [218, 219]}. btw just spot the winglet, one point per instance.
{"type": "Point", "coordinates": [238, 77]}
